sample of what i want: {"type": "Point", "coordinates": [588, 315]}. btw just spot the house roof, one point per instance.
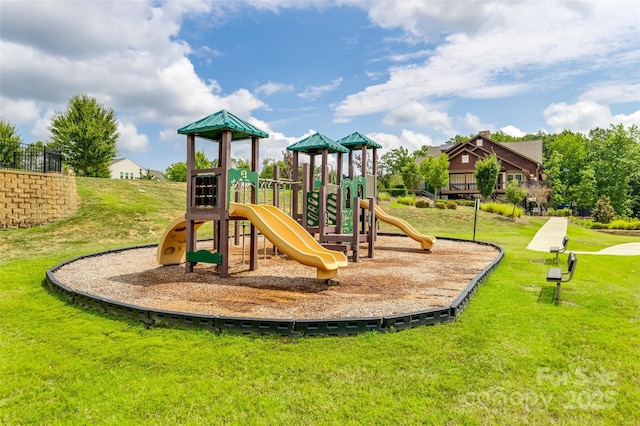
{"type": "Point", "coordinates": [357, 140]}
{"type": "Point", "coordinates": [530, 149]}
{"type": "Point", "coordinates": [315, 143]}
{"type": "Point", "coordinates": [212, 126]}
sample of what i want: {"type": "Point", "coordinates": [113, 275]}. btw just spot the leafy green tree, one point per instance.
{"type": "Point", "coordinates": [268, 166]}
{"type": "Point", "coordinates": [487, 172]}
{"type": "Point", "coordinates": [394, 161]}
{"type": "Point", "coordinates": [435, 171]}
{"type": "Point", "coordinates": [565, 155]}
{"type": "Point", "coordinates": [410, 176]}
{"type": "Point", "coordinates": [615, 155]}
{"type": "Point", "coordinates": [9, 145]}
{"type": "Point", "coordinates": [241, 163]}
{"type": "Point", "coordinates": [586, 191]}
{"type": "Point", "coordinates": [86, 134]}
{"type": "Point", "coordinates": [177, 172]}
{"type": "Point", "coordinates": [515, 193]}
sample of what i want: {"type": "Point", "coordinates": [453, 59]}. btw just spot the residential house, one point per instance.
{"type": "Point", "coordinates": [125, 168]}
{"type": "Point", "coordinates": [520, 161]}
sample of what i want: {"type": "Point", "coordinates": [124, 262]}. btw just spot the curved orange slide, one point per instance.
{"type": "Point", "coordinates": [172, 247]}
{"type": "Point", "coordinates": [426, 241]}
{"type": "Point", "coordinates": [278, 227]}
{"type": "Point", "coordinates": [290, 237]}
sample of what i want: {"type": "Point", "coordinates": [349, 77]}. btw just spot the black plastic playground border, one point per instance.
{"type": "Point", "coordinates": [263, 326]}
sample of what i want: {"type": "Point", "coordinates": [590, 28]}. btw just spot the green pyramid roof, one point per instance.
{"type": "Point", "coordinates": [315, 143]}
{"type": "Point", "coordinates": [357, 140]}
{"type": "Point", "coordinates": [211, 127]}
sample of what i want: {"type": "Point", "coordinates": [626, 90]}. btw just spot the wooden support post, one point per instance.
{"type": "Point", "coordinates": [223, 196]}
{"type": "Point", "coordinates": [295, 187]}
{"type": "Point", "coordinates": [191, 238]}
{"type": "Point", "coordinates": [356, 235]}
{"type": "Point", "coordinates": [371, 237]}
{"type": "Point", "coordinates": [255, 164]}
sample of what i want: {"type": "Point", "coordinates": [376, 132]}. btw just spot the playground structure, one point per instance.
{"type": "Point", "coordinates": [339, 213]}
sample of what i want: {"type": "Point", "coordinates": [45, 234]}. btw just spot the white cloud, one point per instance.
{"type": "Point", "coordinates": [125, 54]}
{"type": "Point", "coordinates": [130, 140]}
{"type": "Point", "coordinates": [18, 111]}
{"type": "Point", "coordinates": [584, 116]}
{"type": "Point", "coordinates": [408, 139]}
{"type": "Point", "coordinates": [513, 131]}
{"type": "Point", "coordinates": [270, 88]}
{"type": "Point", "coordinates": [613, 92]}
{"type": "Point", "coordinates": [419, 114]}
{"type": "Point", "coordinates": [314, 92]}
{"type": "Point", "coordinates": [498, 49]}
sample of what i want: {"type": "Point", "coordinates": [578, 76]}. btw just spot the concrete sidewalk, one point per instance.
{"type": "Point", "coordinates": [552, 233]}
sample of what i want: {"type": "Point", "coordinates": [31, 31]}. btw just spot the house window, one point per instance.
{"type": "Point", "coordinates": [514, 176]}
{"type": "Point", "coordinates": [478, 142]}
{"type": "Point", "coordinates": [465, 158]}
{"type": "Point", "coordinates": [121, 175]}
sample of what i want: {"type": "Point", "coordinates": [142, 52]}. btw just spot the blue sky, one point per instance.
{"type": "Point", "coordinates": [405, 73]}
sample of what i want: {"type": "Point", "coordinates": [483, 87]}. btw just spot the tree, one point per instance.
{"type": "Point", "coordinates": [539, 193]}
{"type": "Point", "coordinates": [86, 134]}
{"type": "Point", "coordinates": [487, 171]}
{"type": "Point", "coordinates": [586, 191]}
{"type": "Point", "coordinates": [435, 171]}
{"type": "Point", "coordinates": [177, 172]}
{"type": "Point", "coordinates": [410, 176]}
{"type": "Point", "coordinates": [565, 156]}
{"type": "Point", "coordinates": [515, 193]}
{"type": "Point", "coordinates": [615, 155]}
{"type": "Point", "coordinates": [9, 145]}
{"type": "Point", "coordinates": [241, 163]}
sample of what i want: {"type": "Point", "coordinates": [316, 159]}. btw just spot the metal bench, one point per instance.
{"type": "Point", "coordinates": [558, 276]}
{"type": "Point", "coordinates": [562, 249]}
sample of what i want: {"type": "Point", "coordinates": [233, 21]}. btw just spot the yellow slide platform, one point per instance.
{"type": "Point", "coordinates": [426, 241]}
{"type": "Point", "coordinates": [278, 227]}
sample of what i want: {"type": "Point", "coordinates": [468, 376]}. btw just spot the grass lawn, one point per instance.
{"type": "Point", "coordinates": [513, 356]}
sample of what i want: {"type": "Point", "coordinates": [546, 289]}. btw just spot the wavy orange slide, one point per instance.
{"type": "Point", "coordinates": [278, 227]}
{"type": "Point", "coordinates": [426, 241]}
{"type": "Point", "coordinates": [290, 237]}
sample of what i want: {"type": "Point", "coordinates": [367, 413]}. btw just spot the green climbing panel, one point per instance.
{"type": "Point", "coordinates": [313, 209]}
{"type": "Point", "coordinates": [204, 256]}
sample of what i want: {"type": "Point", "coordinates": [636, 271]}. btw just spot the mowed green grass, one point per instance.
{"type": "Point", "coordinates": [513, 356]}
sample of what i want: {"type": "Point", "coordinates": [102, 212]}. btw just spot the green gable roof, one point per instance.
{"type": "Point", "coordinates": [315, 143]}
{"type": "Point", "coordinates": [357, 140]}
{"type": "Point", "coordinates": [211, 127]}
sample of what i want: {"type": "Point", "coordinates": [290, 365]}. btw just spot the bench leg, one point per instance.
{"type": "Point", "coordinates": [557, 256]}
{"type": "Point", "coordinates": [558, 292]}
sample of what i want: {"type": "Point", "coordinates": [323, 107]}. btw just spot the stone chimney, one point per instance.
{"type": "Point", "coordinates": [485, 134]}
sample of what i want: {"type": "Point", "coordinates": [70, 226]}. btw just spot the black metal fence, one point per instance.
{"type": "Point", "coordinates": [29, 158]}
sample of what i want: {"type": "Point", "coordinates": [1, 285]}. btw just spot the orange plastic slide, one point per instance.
{"type": "Point", "coordinates": [278, 227]}
{"type": "Point", "coordinates": [426, 241]}
{"type": "Point", "coordinates": [290, 237]}
{"type": "Point", "coordinates": [171, 249]}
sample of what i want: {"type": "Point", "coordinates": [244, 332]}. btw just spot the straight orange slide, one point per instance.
{"type": "Point", "coordinates": [426, 241]}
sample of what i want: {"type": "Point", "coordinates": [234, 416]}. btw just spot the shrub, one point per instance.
{"type": "Point", "coordinates": [384, 196]}
{"type": "Point", "coordinates": [625, 224]}
{"type": "Point", "coordinates": [602, 211]}
{"type": "Point", "coordinates": [409, 201]}
{"type": "Point", "coordinates": [398, 191]}
{"type": "Point", "coordinates": [501, 209]}
{"type": "Point", "coordinates": [452, 205]}
{"type": "Point", "coordinates": [466, 203]}
{"type": "Point", "coordinates": [421, 204]}
{"type": "Point", "coordinates": [441, 205]}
